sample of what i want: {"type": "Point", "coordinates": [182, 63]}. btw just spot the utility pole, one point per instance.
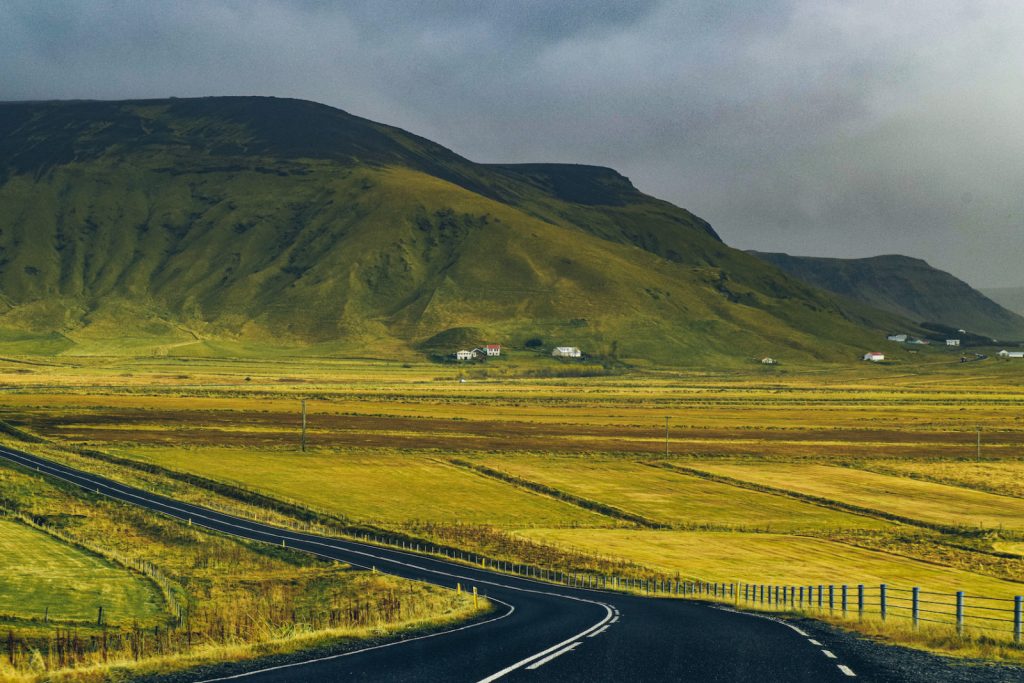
{"type": "Point", "coordinates": [303, 425]}
{"type": "Point", "coordinates": [666, 436]}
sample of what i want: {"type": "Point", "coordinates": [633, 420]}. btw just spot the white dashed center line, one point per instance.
{"type": "Point", "coordinates": [847, 670]}
{"type": "Point", "coordinates": [812, 641]}
{"type": "Point", "coordinates": [828, 654]}
{"type": "Point", "coordinates": [599, 631]}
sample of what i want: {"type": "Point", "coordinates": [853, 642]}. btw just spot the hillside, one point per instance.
{"type": "Point", "coordinates": [1011, 298]}
{"type": "Point", "coordinates": [907, 287]}
{"type": "Point", "coordinates": [198, 225]}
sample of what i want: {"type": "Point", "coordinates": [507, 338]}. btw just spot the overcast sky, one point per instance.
{"type": "Point", "coordinates": [809, 126]}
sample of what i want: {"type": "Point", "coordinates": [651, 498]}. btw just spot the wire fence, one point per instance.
{"type": "Point", "coordinates": [959, 612]}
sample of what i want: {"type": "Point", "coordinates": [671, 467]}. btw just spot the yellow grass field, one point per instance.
{"type": "Point", "coordinates": [40, 573]}
{"type": "Point", "coordinates": [772, 558]}
{"type": "Point", "coordinates": [920, 500]}
{"type": "Point", "coordinates": [1002, 477]}
{"type": "Point", "coordinates": [379, 487]}
{"type": "Point", "coordinates": [678, 499]}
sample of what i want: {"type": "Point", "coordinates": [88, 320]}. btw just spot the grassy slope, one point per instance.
{"type": "Point", "coordinates": [271, 222]}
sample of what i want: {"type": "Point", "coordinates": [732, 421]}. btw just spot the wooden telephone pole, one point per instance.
{"type": "Point", "coordinates": [303, 425]}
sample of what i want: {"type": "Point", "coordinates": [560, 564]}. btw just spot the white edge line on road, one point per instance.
{"type": "Point", "coordinates": [842, 667]}
{"type": "Point", "coordinates": [285, 534]}
{"type": "Point", "coordinates": [538, 664]}
{"type": "Point", "coordinates": [511, 609]}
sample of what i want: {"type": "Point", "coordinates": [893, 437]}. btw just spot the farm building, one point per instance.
{"type": "Point", "coordinates": [874, 356]}
{"type": "Point", "coordinates": [897, 338]}
{"type": "Point", "coordinates": [465, 355]}
{"type": "Point", "coordinates": [1011, 354]}
{"type": "Point", "coordinates": [566, 352]}
{"type": "Point", "coordinates": [768, 360]}
{"type": "Point", "coordinates": [952, 342]}
{"type": "Point", "coordinates": [493, 349]}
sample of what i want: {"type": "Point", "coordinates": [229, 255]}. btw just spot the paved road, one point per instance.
{"type": "Point", "coordinates": [540, 632]}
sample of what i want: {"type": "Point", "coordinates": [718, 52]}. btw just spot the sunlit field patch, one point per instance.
{"type": "Point", "coordinates": [678, 499]}
{"type": "Point", "coordinates": [376, 486]}
{"type": "Point", "coordinates": [919, 500]}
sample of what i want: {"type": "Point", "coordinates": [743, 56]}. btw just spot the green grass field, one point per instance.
{"type": "Point", "coordinates": [40, 573]}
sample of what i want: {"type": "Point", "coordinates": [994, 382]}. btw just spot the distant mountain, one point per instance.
{"type": "Point", "coordinates": [907, 287]}
{"type": "Point", "coordinates": [1011, 298]}
{"type": "Point", "coordinates": [211, 225]}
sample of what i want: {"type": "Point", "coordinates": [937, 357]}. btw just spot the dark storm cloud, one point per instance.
{"type": "Point", "coordinates": [809, 126]}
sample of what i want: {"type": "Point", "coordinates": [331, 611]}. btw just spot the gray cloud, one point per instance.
{"type": "Point", "coordinates": [809, 126]}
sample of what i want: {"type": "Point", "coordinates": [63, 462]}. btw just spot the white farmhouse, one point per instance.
{"type": "Point", "coordinates": [874, 356]}
{"type": "Point", "coordinates": [952, 342]}
{"type": "Point", "coordinates": [566, 352]}
{"type": "Point", "coordinates": [493, 349]}
{"type": "Point", "coordinates": [768, 360]}
{"type": "Point", "coordinates": [465, 355]}
{"type": "Point", "coordinates": [1011, 354]}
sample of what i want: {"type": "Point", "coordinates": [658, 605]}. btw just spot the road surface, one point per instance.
{"type": "Point", "coordinates": [539, 632]}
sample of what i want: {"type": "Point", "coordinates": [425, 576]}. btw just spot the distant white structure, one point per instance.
{"type": "Point", "coordinates": [917, 341]}
{"type": "Point", "coordinates": [1011, 354]}
{"type": "Point", "coordinates": [768, 360]}
{"type": "Point", "coordinates": [952, 342]}
{"type": "Point", "coordinates": [874, 356]}
{"type": "Point", "coordinates": [465, 355]}
{"type": "Point", "coordinates": [566, 352]}
{"type": "Point", "coordinates": [493, 349]}
{"type": "Point", "coordinates": [897, 338]}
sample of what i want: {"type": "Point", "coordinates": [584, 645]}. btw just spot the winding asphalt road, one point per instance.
{"type": "Point", "coordinates": [540, 632]}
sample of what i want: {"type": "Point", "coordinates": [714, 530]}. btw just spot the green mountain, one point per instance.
{"type": "Point", "coordinates": [219, 224]}
{"type": "Point", "coordinates": [907, 287]}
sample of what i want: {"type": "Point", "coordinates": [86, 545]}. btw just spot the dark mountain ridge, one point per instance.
{"type": "Point", "coordinates": [905, 286]}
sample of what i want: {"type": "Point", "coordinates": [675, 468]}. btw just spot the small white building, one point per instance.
{"type": "Point", "coordinates": [768, 360]}
{"type": "Point", "coordinates": [566, 352]}
{"type": "Point", "coordinates": [952, 342]}
{"type": "Point", "coordinates": [465, 355]}
{"type": "Point", "coordinates": [1011, 354]}
{"type": "Point", "coordinates": [874, 356]}
{"type": "Point", "coordinates": [493, 349]}
{"type": "Point", "coordinates": [897, 338]}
